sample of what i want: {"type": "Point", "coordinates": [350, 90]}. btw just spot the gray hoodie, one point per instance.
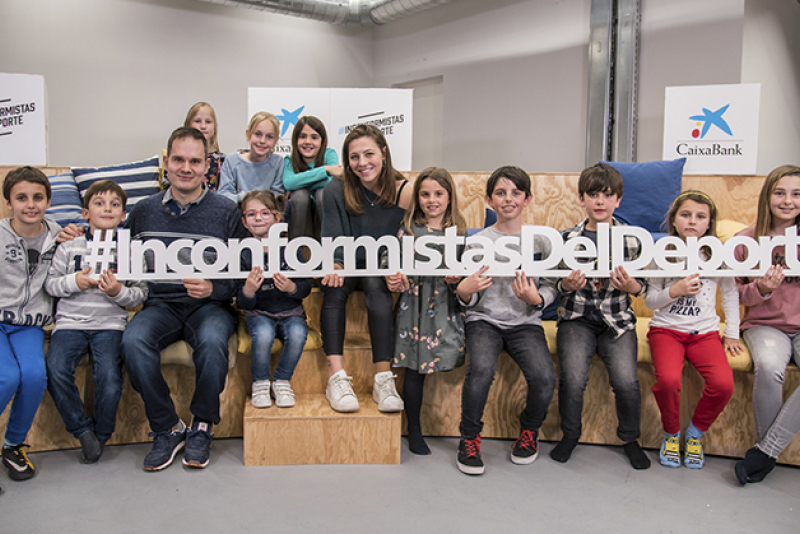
{"type": "Point", "coordinates": [23, 301]}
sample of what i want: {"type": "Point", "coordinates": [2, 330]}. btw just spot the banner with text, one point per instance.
{"type": "Point", "coordinates": [341, 110]}
{"type": "Point", "coordinates": [22, 120]}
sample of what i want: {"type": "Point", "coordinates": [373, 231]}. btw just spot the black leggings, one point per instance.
{"type": "Point", "coordinates": [379, 316]}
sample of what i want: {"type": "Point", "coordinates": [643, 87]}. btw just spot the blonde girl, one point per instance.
{"type": "Point", "coordinates": [201, 116]}
{"type": "Point", "coordinates": [258, 168]}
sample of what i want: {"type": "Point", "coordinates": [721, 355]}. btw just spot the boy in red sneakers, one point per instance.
{"type": "Point", "coordinates": [505, 313]}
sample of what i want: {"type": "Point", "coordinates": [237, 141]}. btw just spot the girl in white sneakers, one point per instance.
{"type": "Point", "coordinates": [370, 200]}
{"type": "Point", "coordinates": [273, 307]}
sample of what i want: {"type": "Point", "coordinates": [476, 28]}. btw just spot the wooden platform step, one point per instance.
{"type": "Point", "coordinates": [312, 433]}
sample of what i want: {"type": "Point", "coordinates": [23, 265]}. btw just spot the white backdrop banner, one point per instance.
{"type": "Point", "coordinates": [22, 120]}
{"type": "Point", "coordinates": [341, 110]}
{"type": "Point", "coordinates": [715, 127]}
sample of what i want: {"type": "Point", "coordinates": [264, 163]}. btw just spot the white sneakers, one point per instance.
{"type": "Point", "coordinates": [385, 394]}
{"type": "Point", "coordinates": [339, 393]}
{"type": "Point", "coordinates": [261, 394]}
{"type": "Point", "coordinates": [282, 391]}
{"type": "Point", "coordinates": [341, 397]}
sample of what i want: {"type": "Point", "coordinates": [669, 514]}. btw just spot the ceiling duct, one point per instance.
{"type": "Point", "coordinates": [364, 12]}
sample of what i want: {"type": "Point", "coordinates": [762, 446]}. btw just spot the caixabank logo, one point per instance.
{"type": "Point", "coordinates": [287, 119]}
{"type": "Point", "coordinates": [719, 143]}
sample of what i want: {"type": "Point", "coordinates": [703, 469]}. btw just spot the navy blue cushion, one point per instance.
{"type": "Point", "coordinates": [139, 179]}
{"type": "Point", "coordinates": [65, 201]}
{"type": "Point", "coordinates": [490, 218]}
{"type": "Point", "coordinates": [649, 190]}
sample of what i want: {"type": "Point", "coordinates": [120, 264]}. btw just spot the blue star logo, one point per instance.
{"type": "Point", "coordinates": [289, 118]}
{"type": "Point", "coordinates": [709, 118]}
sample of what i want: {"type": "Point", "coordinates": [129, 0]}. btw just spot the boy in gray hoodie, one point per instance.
{"type": "Point", "coordinates": [28, 242]}
{"type": "Point", "coordinates": [90, 316]}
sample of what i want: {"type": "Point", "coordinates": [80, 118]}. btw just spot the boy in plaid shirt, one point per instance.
{"type": "Point", "coordinates": [596, 317]}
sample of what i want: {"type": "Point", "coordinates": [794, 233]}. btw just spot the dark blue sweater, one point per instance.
{"type": "Point", "coordinates": [213, 217]}
{"type": "Point", "coordinates": [269, 298]}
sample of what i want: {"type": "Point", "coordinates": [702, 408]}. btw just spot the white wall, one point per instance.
{"type": "Point", "coordinates": [121, 74]}
{"type": "Point", "coordinates": [683, 42]}
{"type": "Point", "coordinates": [514, 78]}
{"type": "Point", "coordinates": [771, 57]}
{"type": "Point", "coordinates": [515, 72]}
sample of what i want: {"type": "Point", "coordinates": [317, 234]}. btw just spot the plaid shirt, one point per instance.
{"type": "Point", "coordinates": [598, 300]}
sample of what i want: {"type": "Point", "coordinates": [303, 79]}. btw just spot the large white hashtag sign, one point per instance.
{"type": "Point", "coordinates": [101, 252]}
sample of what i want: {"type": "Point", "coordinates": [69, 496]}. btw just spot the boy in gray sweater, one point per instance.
{"type": "Point", "coordinates": [506, 313]}
{"type": "Point", "coordinates": [90, 316]}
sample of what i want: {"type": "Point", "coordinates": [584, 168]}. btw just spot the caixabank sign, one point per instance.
{"type": "Point", "coordinates": [715, 127]}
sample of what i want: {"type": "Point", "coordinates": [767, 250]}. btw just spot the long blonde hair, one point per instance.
{"type": "Point", "coordinates": [213, 145]}
{"type": "Point", "coordinates": [452, 215]}
{"type": "Point", "coordinates": [764, 218]}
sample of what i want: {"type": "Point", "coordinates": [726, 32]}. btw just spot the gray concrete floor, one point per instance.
{"type": "Point", "coordinates": [596, 491]}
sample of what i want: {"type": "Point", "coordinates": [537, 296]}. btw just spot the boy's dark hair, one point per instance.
{"type": "Point", "coordinates": [101, 186]}
{"type": "Point", "coordinates": [25, 174]}
{"type": "Point", "coordinates": [600, 178]}
{"type": "Point", "coordinates": [513, 174]}
{"type": "Point", "coordinates": [185, 132]}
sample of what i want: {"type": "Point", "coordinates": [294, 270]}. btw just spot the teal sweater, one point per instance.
{"type": "Point", "coordinates": [312, 179]}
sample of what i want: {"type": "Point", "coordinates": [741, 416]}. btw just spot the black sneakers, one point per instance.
{"type": "Point", "coordinates": [17, 463]}
{"type": "Point", "coordinates": [526, 448]}
{"type": "Point", "coordinates": [165, 446]}
{"type": "Point", "coordinates": [198, 445]}
{"type": "Point", "coordinates": [469, 456]}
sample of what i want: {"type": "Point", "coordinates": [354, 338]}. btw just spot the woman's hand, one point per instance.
{"type": "Point", "coordinates": [397, 282]}
{"type": "Point", "coordinates": [333, 279]}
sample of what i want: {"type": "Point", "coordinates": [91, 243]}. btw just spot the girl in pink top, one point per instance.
{"type": "Point", "coordinates": [771, 326]}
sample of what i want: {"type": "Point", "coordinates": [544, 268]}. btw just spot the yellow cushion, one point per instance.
{"type": "Point", "coordinates": [726, 229]}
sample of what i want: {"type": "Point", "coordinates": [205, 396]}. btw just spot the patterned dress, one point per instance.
{"type": "Point", "coordinates": [429, 321]}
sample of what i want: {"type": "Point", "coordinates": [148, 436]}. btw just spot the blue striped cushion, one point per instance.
{"type": "Point", "coordinates": [65, 202]}
{"type": "Point", "coordinates": [139, 179]}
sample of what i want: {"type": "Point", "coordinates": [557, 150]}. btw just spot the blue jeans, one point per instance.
{"type": "Point", "coordinates": [777, 423]}
{"type": "Point", "coordinates": [578, 341]}
{"type": "Point", "coordinates": [292, 330]}
{"type": "Point", "coordinates": [23, 377]}
{"type": "Point", "coordinates": [527, 346]}
{"type": "Point", "coordinates": [206, 328]}
{"type": "Point", "coordinates": [67, 348]}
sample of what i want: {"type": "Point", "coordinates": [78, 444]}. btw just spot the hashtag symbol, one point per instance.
{"type": "Point", "coordinates": [101, 252]}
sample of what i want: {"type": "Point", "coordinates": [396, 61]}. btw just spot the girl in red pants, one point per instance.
{"type": "Point", "coordinates": [685, 325]}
